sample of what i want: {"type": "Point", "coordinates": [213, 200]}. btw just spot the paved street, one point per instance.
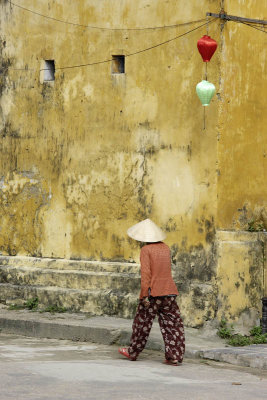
{"type": "Point", "coordinates": [33, 368]}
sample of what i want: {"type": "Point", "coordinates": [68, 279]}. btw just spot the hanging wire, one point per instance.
{"type": "Point", "coordinates": [206, 78]}
{"type": "Point", "coordinates": [252, 26]}
{"type": "Point", "coordinates": [126, 55]}
{"type": "Point", "coordinates": [207, 18]}
{"type": "Point", "coordinates": [139, 51]}
{"type": "Point", "coordinates": [103, 28]}
{"type": "Point", "coordinates": [206, 71]}
{"type": "Point", "coordinates": [206, 64]}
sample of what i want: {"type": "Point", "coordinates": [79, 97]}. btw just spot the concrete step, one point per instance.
{"type": "Point", "coordinates": [70, 279]}
{"type": "Point", "coordinates": [94, 302]}
{"type": "Point", "coordinates": [64, 264]}
{"type": "Point", "coordinates": [98, 288]}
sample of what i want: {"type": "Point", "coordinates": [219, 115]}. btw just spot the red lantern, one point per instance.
{"type": "Point", "coordinates": [206, 46]}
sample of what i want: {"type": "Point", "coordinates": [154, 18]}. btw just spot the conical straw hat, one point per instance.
{"type": "Point", "coordinates": [146, 231]}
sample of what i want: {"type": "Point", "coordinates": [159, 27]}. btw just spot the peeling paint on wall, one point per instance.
{"type": "Point", "coordinates": [22, 198]}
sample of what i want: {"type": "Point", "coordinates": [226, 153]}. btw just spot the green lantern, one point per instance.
{"type": "Point", "coordinates": [205, 91]}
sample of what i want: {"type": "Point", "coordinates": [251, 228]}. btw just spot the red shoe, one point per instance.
{"type": "Point", "coordinates": [124, 352]}
{"type": "Point", "coordinates": [174, 363]}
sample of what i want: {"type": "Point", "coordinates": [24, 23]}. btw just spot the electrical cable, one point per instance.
{"type": "Point", "coordinates": [263, 27]}
{"type": "Point", "coordinates": [139, 51]}
{"type": "Point", "coordinates": [252, 26]}
{"type": "Point", "coordinates": [131, 54]}
{"type": "Point", "coordinates": [103, 28]}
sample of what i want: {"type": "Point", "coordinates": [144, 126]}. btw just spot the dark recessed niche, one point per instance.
{"type": "Point", "coordinates": [49, 70]}
{"type": "Point", "coordinates": [118, 65]}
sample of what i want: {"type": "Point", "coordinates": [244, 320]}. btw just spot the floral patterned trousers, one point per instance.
{"type": "Point", "coordinates": [171, 326]}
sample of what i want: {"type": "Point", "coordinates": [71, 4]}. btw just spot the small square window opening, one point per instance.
{"type": "Point", "coordinates": [49, 70]}
{"type": "Point", "coordinates": [118, 65]}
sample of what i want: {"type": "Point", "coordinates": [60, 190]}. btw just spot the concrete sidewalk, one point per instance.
{"type": "Point", "coordinates": [203, 344]}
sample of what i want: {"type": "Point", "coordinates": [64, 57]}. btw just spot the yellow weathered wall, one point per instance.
{"type": "Point", "coordinates": [242, 146]}
{"type": "Point", "coordinates": [240, 271]}
{"type": "Point", "coordinates": [242, 166]}
{"type": "Point", "coordinates": [86, 157]}
{"type": "Point", "coordinates": [105, 151]}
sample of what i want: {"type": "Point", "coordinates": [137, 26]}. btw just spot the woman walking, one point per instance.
{"type": "Point", "coordinates": [157, 296]}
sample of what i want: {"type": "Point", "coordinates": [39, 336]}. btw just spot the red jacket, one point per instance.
{"type": "Point", "coordinates": [156, 272]}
